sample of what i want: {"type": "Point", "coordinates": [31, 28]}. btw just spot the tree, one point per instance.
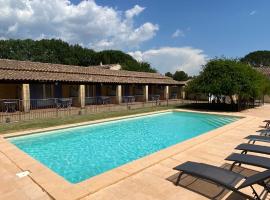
{"type": "Point", "coordinates": [180, 76]}
{"type": "Point", "coordinates": [230, 77]}
{"type": "Point", "coordinates": [60, 52]}
{"type": "Point", "coordinates": [138, 66]}
{"type": "Point", "coordinates": [169, 74]}
{"type": "Point", "coordinates": [257, 58]}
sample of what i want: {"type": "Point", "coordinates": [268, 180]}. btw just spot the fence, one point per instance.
{"type": "Point", "coordinates": [13, 110]}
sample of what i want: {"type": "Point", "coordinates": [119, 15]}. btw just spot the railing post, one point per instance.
{"type": "Point", "coordinates": [26, 97]}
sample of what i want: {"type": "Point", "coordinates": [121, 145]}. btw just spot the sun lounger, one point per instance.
{"type": "Point", "coordinates": [259, 138]}
{"type": "Point", "coordinates": [257, 161]}
{"type": "Point", "coordinates": [267, 123]}
{"type": "Point", "coordinates": [253, 148]}
{"type": "Point", "coordinates": [223, 177]}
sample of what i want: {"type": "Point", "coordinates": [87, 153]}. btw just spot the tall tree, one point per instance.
{"type": "Point", "coordinates": [169, 74]}
{"type": "Point", "coordinates": [180, 76]}
{"type": "Point", "coordinates": [257, 58]}
{"type": "Point", "coordinates": [230, 77]}
{"type": "Point", "coordinates": [60, 52]}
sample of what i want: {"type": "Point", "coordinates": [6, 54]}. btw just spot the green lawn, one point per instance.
{"type": "Point", "coordinates": [44, 123]}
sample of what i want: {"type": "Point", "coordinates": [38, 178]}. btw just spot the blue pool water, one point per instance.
{"type": "Point", "coordinates": [83, 152]}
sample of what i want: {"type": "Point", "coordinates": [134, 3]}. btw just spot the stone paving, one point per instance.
{"type": "Point", "coordinates": [153, 181]}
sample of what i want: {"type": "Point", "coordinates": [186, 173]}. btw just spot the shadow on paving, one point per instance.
{"type": "Point", "coordinates": [211, 190]}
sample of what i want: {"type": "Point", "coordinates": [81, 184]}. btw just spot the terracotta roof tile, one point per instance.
{"type": "Point", "coordinates": [36, 71]}
{"type": "Point", "coordinates": [264, 70]}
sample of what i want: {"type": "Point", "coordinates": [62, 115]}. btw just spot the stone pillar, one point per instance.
{"type": "Point", "coordinates": [81, 96]}
{"type": "Point", "coordinates": [183, 93]}
{"type": "Point", "coordinates": [145, 93]}
{"type": "Point", "coordinates": [166, 92]}
{"type": "Point", "coordinates": [118, 94]}
{"type": "Point", "coordinates": [26, 97]}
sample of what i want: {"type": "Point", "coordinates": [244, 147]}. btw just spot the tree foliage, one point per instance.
{"type": "Point", "coordinates": [60, 52]}
{"type": "Point", "coordinates": [178, 75]}
{"type": "Point", "coordinates": [169, 74]}
{"type": "Point", "coordinates": [257, 58]}
{"type": "Point", "coordinates": [230, 77]}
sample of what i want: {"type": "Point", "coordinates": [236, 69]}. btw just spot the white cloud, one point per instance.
{"type": "Point", "coordinates": [172, 59]}
{"type": "Point", "coordinates": [253, 12]}
{"type": "Point", "coordinates": [94, 26]}
{"type": "Point", "coordinates": [178, 33]}
{"type": "Point", "coordinates": [136, 10]}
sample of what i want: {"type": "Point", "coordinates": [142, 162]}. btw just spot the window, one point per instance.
{"type": "Point", "coordinates": [73, 90]}
{"type": "Point", "coordinates": [89, 90]}
{"type": "Point", "coordinates": [111, 90]}
{"type": "Point", "coordinates": [48, 91]}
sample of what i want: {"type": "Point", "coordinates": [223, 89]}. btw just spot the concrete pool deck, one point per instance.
{"type": "Point", "coordinates": [146, 178]}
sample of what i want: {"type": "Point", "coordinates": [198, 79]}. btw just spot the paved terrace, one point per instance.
{"type": "Point", "coordinates": [153, 180]}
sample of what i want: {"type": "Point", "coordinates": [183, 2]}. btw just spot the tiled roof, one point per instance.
{"type": "Point", "coordinates": [264, 70]}
{"type": "Point", "coordinates": [13, 70]}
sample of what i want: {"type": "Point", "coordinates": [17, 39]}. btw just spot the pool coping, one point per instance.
{"type": "Point", "coordinates": [58, 188]}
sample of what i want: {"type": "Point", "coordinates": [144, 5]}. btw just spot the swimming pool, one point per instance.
{"type": "Point", "coordinates": [86, 151]}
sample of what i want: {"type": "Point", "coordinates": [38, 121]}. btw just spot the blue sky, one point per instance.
{"type": "Point", "coordinates": [171, 35]}
{"type": "Point", "coordinates": [229, 27]}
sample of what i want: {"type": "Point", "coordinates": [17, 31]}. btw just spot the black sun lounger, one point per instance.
{"type": "Point", "coordinates": [259, 138]}
{"type": "Point", "coordinates": [253, 148]}
{"type": "Point", "coordinates": [267, 123]}
{"type": "Point", "coordinates": [223, 177]}
{"type": "Point", "coordinates": [257, 161]}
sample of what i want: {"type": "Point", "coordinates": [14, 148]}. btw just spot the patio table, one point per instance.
{"type": "Point", "coordinates": [104, 99]}
{"type": "Point", "coordinates": [64, 103]}
{"type": "Point", "coordinates": [155, 97]}
{"type": "Point", "coordinates": [129, 99]}
{"type": "Point", "coordinates": [10, 106]}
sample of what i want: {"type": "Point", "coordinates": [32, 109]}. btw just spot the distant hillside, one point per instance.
{"type": "Point", "coordinates": [60, 52]}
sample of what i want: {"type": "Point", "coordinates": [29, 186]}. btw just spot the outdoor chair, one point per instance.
{"type": "Point", "coordinates": [128, 99]}
{"type": "Point", "coordinates": [245, 148]}
{"type": "Point", "coordinates": [259, 138]}
{"type": "Point", "coordinates": [267, 123]}
{"type": "Point", "coordinates": [174, 96]}
{"type": "Point", "coordinates": [90, 100]}
{"type": "Point", "coordinates": [64, 103]}
{"type": "Point", "coordinates": [225, 178]}
{"type": "Point", "coordinates": [10, 106]}
{"type": "Point", "coordinates": [155, 97]}
{"type": "Point", "coordinates": [253, 160]}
